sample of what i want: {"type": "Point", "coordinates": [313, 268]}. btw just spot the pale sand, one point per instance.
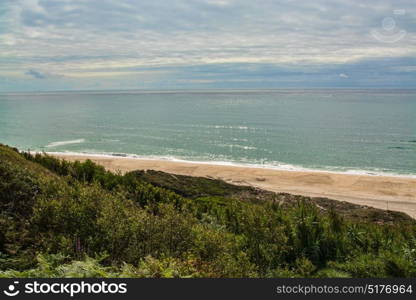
{"type": "Point", "coordinates": [393, 193]}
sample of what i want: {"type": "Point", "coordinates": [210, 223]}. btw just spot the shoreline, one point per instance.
{"type": "Point", "coordinates": [282, 167]}
{"type": "Point", "coordinates": [384, 192]}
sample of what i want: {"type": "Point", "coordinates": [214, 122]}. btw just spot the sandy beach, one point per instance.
{"type": "Point", "coordinates": [384, 192]}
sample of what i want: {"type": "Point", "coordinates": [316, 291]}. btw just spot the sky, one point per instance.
{"type": "Point", "coordinates": [54, 45]}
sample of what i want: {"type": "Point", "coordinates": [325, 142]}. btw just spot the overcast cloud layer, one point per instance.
{"type": "Point", "coordinates": [150, 44]}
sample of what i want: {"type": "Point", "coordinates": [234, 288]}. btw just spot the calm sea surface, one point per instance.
{"type": "Point", "coordinates": [365, 131]}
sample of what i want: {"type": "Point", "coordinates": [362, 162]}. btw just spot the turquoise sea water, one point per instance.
{"type": "Point", "coordinates": [363, 131]}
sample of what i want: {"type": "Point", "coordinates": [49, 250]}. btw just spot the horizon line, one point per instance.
{"type": "Point", "coordinates": [208, 89]}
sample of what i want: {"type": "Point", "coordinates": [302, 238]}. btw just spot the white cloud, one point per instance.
{"type": "Point", "coordinates": [8, 39]}
{"type": "Point", "coordinates": [33, 5]}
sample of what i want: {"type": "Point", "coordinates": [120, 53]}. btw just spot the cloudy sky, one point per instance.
{"type": "Point", "coordinates": [48, 45]}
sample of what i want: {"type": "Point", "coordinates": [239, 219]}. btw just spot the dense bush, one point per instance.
{"type": "Point", "coordinates": [63, 219]}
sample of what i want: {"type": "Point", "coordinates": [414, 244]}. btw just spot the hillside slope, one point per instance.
{"type": "Point", "coordinates": [62, 219]}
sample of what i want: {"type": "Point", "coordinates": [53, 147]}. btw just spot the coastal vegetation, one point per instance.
{"type": "Point", "coordinates": [75, 219]}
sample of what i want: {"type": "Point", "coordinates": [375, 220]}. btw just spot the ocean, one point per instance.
{"type": "Point", "coordinates": [352, 131]}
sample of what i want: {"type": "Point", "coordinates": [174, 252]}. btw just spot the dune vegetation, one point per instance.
{"type": "Point", "coordinates": [64, 219]}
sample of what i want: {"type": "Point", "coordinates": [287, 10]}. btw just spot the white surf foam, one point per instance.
{"type": "Point", "coordinates": [61, 143]}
